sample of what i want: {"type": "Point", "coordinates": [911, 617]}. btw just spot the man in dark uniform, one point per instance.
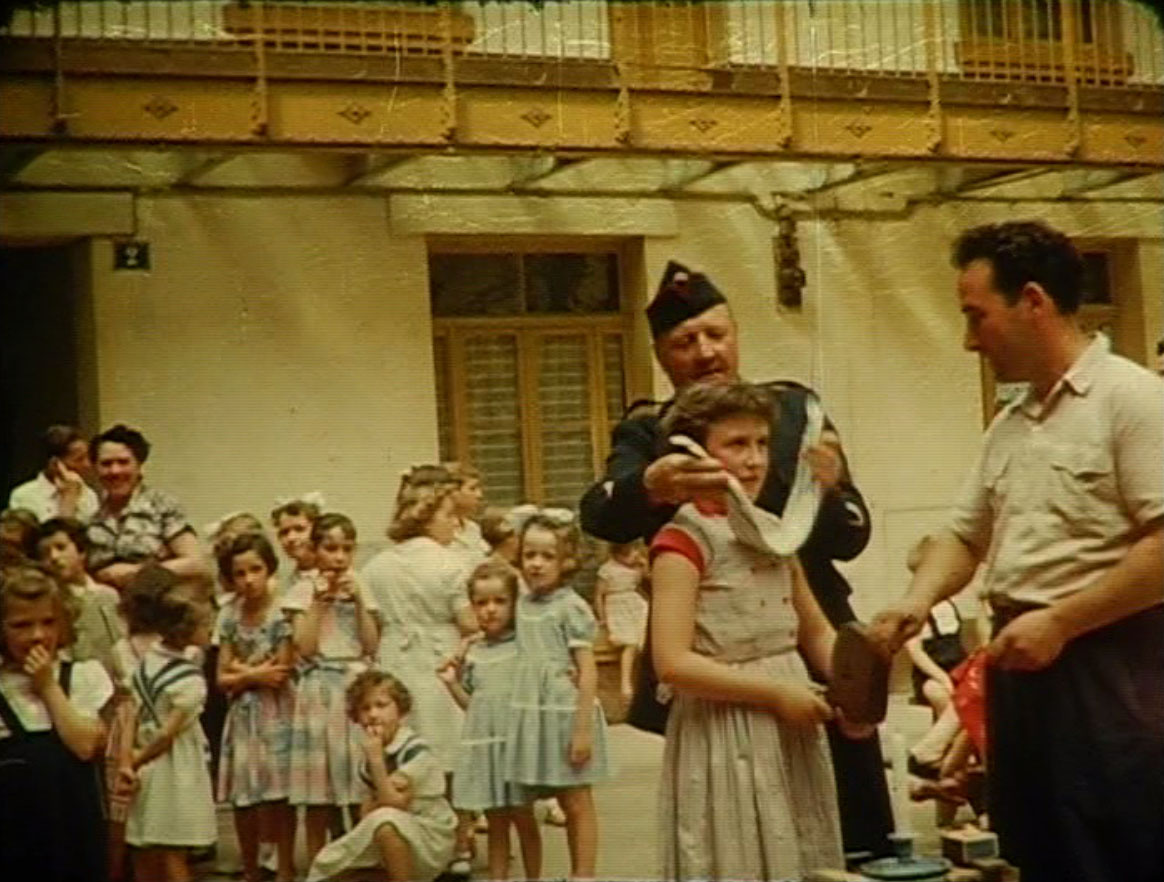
{"type": "Point", "coordinates": [695, 341]}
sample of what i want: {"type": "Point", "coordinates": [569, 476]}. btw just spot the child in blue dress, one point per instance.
{"type": "Point", "coordinates": [557, 732]}
{"type": "Point", "coordinates": [482, 683]}
{"type": "Point", "coordinates": [254, 668]}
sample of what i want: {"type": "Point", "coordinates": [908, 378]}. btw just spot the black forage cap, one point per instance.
{"type": "Point", "coordinates": [682, 295]}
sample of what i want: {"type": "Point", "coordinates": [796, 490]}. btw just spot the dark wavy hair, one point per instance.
{"type": "Point", "coordinates": [122, 434]}
{"type": "Point", "coordinates": [241, 544]}
{"type": "Point", "coordinates": [1020, 252]}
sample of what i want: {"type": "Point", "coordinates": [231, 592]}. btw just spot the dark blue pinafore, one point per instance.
{"type": "Point", "coordinates": [52, 826]}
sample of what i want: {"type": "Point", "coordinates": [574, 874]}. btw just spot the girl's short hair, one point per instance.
{"type": "Point", "coordinates": [233, 525]}
{"type": "Point", "coordinates": [702, 404]}
{"type": "Point", "coordinates": [141, 600]}
{"type": "Point", "coordinates": [415, 507]}
{"type": "Point", "coordinates": [566, 532]}
{"type": "Point", "coordinates": [29, 583]}
{"type": "Point", "coordinates": [25, 523]}
{"type": "Point", "coordinates": [295, 508]}
{"type": "Point", "coordinates": [332, 520]}
{"type": "Point", "coordinates": [616, 548]}
{"type": "Point", "coordinates": [494, 569]}
{"type": "Point", "coordinates": [178, 617]}
{"type": "Point", "coordinates": [369, 681]}
{"type": "Point", "coordinates": [122, 434]}
{"type": "Point", "coordinates": [241, 544]}
{"type": "Point", "coordinates": [462, 472]}
{"type": "Point", "coordinates": [496, 526]}
{"type": "Point", "coordinates": [71, 527]}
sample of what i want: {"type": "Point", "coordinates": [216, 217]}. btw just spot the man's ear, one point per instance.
{"type": "Point", "coordinates": [1036, 297]}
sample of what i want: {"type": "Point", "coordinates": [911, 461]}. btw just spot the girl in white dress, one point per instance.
{"type": "Point", "coordinates": [747, 788]}
{"type": "Point", "coordinates": [482, 683]}
{"type": "Point", "coordinates": [406, 824]}
{"type": "Point", "coordinates": [621, 608]}
{"type": "Point", "coordinates": [418, 584]}
{"type": "Point", "coordinates": [173, 809]}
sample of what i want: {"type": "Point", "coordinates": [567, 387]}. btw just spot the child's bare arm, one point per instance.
{"type": "Point", "coordinates": [449, 673]}
{"type": "Point", "coordinates": [922, 661]}
{"type": "Point", "coordinates": [391, 789]}
{"type": "Point", "coordinates": [815, 635]}
{"type": "Point", "coordinates": [600, 589]}
{"type": "Point", "coordinates": [582, 738]}
{"type": "Point", "coordinates": [163, 741]}
{"type": "Point", "coordinates": [305, 629]}
{"type": "Point", "coordinates": [367, 622]}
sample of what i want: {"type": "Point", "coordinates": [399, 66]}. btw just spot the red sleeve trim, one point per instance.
{"type": "Point", "coordinates": [679, 541]}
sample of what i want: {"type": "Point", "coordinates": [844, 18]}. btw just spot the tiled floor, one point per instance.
{"type": "Point", "coordinates": [627, 807]}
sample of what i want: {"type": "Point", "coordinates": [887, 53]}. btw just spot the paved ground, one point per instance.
{"type": "Point", "coordinates": [627, 808]}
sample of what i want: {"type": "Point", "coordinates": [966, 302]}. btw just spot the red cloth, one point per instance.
{"type": "Point", "coordinates": [970, 697]}
{"type": "Point", "coordinates": [679, 541]}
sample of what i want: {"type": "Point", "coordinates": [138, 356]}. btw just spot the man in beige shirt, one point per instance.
{"type": "Point", "coordinates": [1065, 511]}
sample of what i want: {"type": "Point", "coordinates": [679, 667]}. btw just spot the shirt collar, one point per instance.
{"type": "Point", "coordinates": [134, 504]}
{"type": "Point", "coordinates": [1078, 378]}
{"type": "Point", "coordinates": [403, 733]}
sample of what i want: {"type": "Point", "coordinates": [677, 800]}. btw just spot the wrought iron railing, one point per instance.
{"type": "Point", "coordinates": [1113, 43]}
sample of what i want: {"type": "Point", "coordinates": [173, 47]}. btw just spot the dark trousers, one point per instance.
{"type": "Point", "coordinates": [1076, 758]}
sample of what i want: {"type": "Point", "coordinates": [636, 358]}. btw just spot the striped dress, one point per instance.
{"type": "Point", "coordinates": [325, 744]}
{"type": "Point", "coordinates": [743, 795]}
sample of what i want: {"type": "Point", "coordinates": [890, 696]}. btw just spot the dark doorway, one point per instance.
{"type": "Point", "coordinates": [38, 354]}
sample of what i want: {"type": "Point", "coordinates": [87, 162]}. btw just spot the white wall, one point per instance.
{"type": "Point", "coordinates": [282, 344]}
{"type": "Point", "coordinates": [277, 346]}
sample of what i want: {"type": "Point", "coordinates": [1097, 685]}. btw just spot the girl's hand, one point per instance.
{"type": "Point", "coordinates": [853, 731]}
{"type": "Point", "coordinates": [803, 706]}
{"type": "Point", "coordinates": [38, 664]}
{"type": "Point", "coordinates": [272, 675]}
{"type": "Point", "coordinates": [581, 748]}
{"type": "Point", "coordinates": [373, 744]}
{"type": "Point", "coordinates": [127, 781]}
{"type": "Point", "coordinates": [343, 586]}
{"type": "Point", "coordinates": [449, 671]}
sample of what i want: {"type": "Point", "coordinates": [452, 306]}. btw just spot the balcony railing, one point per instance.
{"type": "Point", "coordinates": [666, 45]}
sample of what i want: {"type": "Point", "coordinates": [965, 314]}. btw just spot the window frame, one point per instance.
{"type": "Point", "coordinates": [528, 330]}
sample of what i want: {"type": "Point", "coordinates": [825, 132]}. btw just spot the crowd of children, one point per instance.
{"type": "Point", "coordinates": [451, 677]}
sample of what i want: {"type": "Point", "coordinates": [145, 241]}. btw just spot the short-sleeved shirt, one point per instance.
{"type": "Point", "coordinates": [140, 532]}
{"type": "Point", "coordinates": [1063, 487]}
{"type": "Point", "coordinates": [41, 497]}
{"type": "Point", "coordinates": [89, 689]}
{"type": "Point", "coordinates": [339, 635]}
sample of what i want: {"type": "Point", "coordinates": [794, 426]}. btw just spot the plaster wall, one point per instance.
{"type": "Point", "coordinates": [282, 344]}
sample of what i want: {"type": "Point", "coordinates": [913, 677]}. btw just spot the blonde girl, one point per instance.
{"type": "Point", "coordinates": [51, 825]}
{"type": "Point", "coordinates": [336, 629]}
{"type": "Point", "coordinates": [557, 732]}
{"type": "Point", "coordinates": [254, 667]}
{"type": "Point", "coordinates": [482, 682]}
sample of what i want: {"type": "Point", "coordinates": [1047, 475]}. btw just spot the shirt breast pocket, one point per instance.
{"type": "Point", "coordinates": [1082, 481]}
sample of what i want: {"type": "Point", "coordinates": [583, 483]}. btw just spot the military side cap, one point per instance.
{"type": "Point", "coordinates": [682, 295]}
